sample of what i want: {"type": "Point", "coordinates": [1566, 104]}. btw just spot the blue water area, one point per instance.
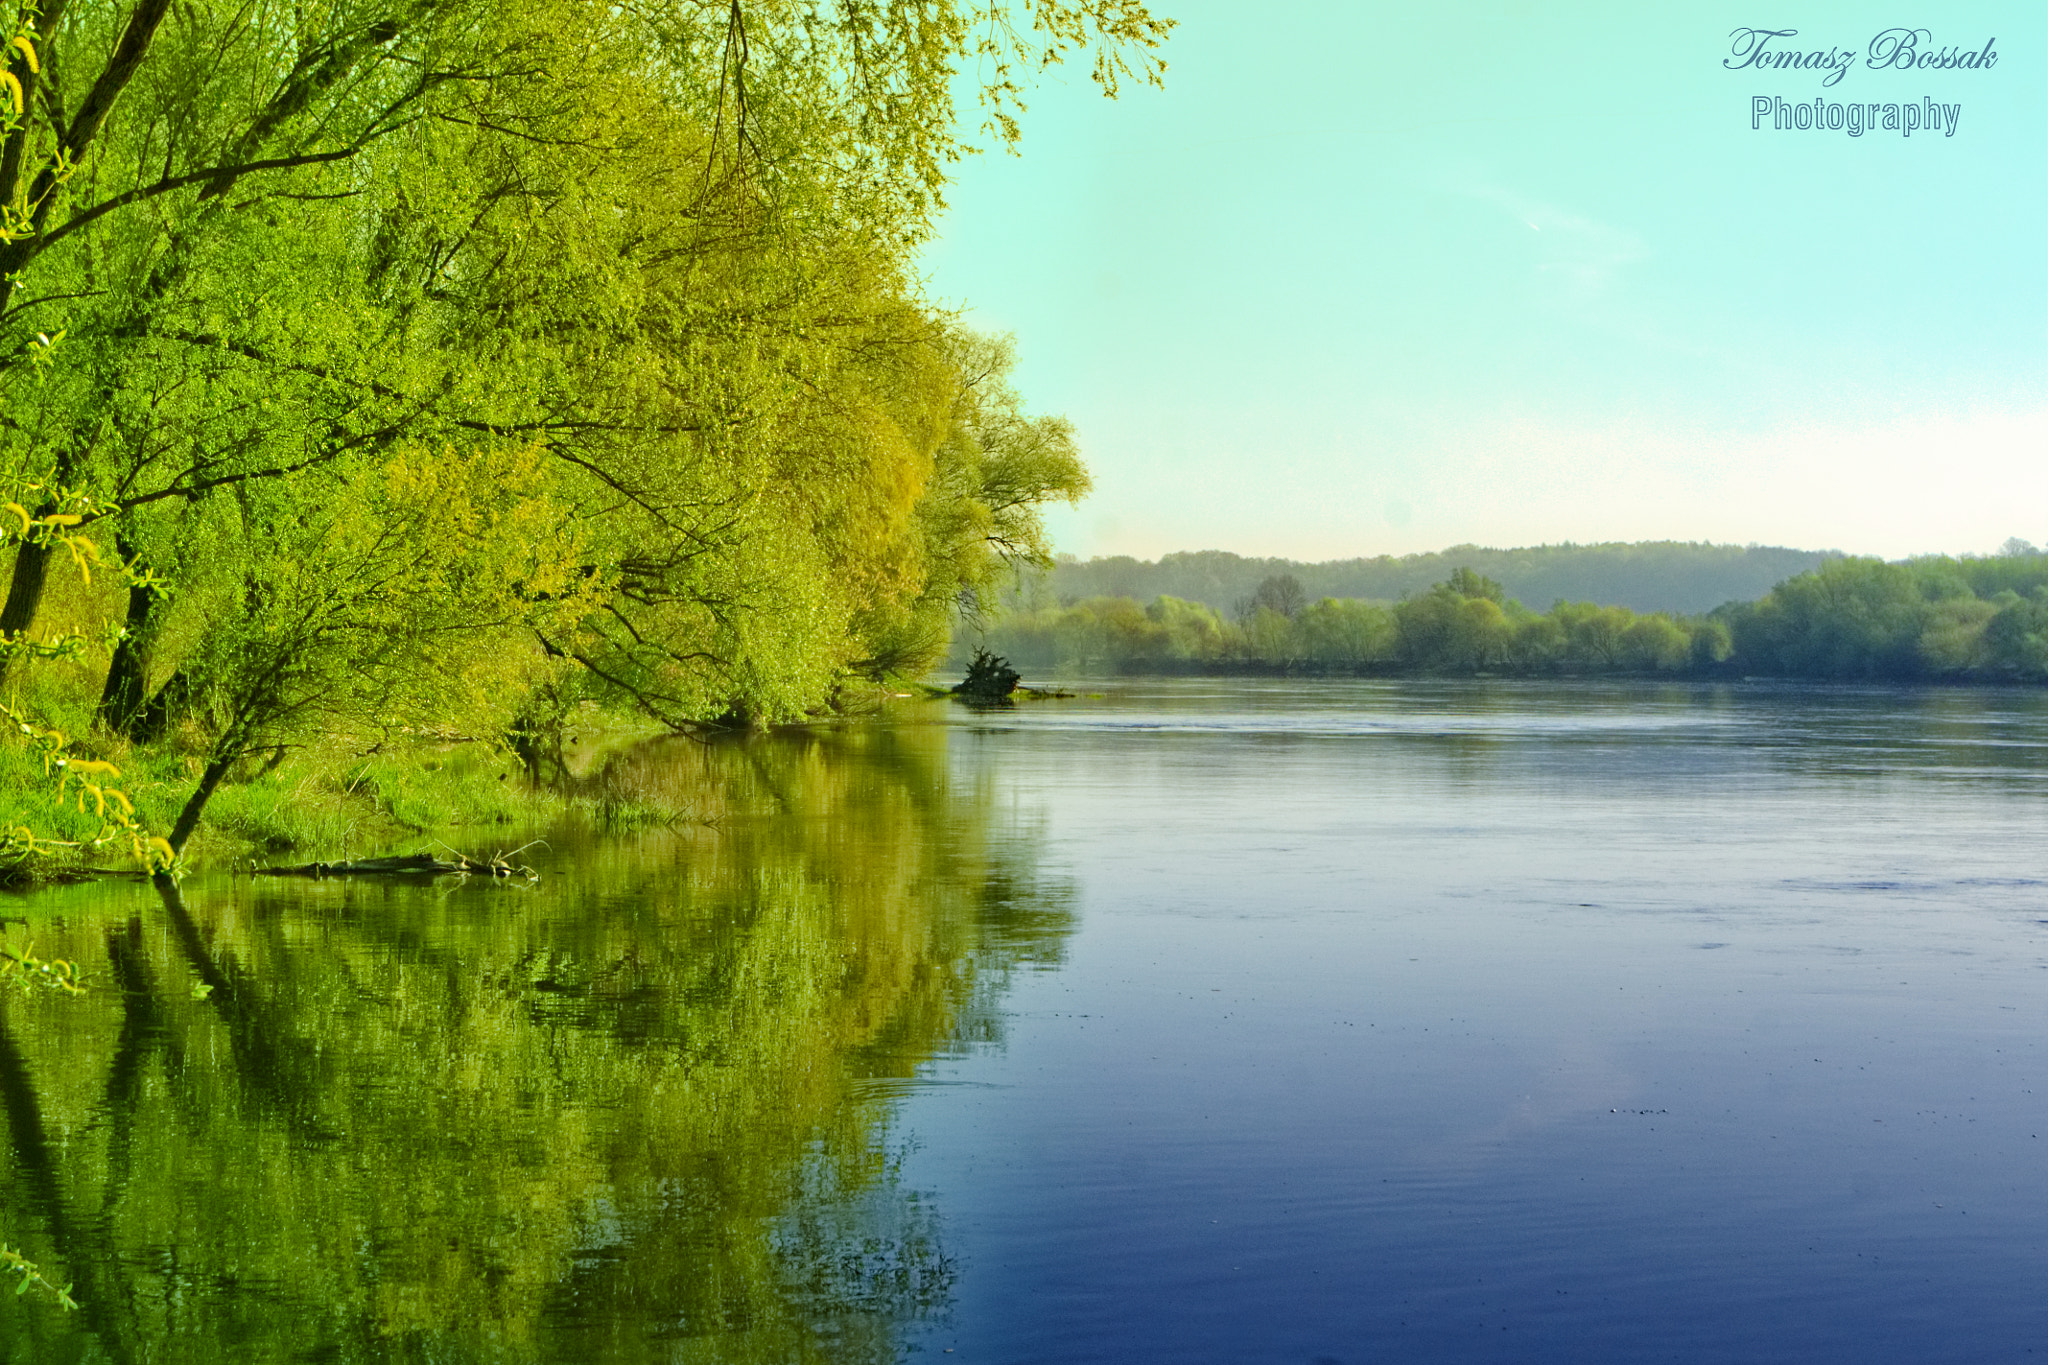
{"type": "Point", "coordinates": [1512, 1023]}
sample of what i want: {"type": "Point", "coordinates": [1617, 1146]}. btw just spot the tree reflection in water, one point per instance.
{"type": "Point", "coordinates": [637, 1112]}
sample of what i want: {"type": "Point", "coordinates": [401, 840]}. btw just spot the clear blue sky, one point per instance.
{"type": "Point", "coordinates": [1364, 280]}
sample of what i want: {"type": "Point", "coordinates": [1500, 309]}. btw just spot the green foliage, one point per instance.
{"type": "Point", "coordinates": [1337, 633]}
{"type": "Point", "coordinates": [29, 1276]}
{"type": "Point", "coordinates": [441, 370]}
{"type": "Point", "coordinates": [32, 973]}
{"type": "Point", "coordinates": [50, 528]}
{"type": "Point", "coordinates": [1279, 594]}
{"type": "Point", "coordinates": [335, 804]}
{"type": "Point", "coordinates": [1468, 583]}
{"type": "Point", "coordinates": [58, 791]}
{"type": "Point", "coordinates": [1931, 619]}
{"type": "Point", "coordinates": [977, 522]}
{"type": "Point", "coordinates": [1445, 630]}
{"type": "Point", "coordinates": [1928, 619]}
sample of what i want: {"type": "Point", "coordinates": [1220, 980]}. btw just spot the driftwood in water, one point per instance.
{"type": "Point", "coordinates": [989, 682]}
{"type": "Point", "coordinates": [407, 865]}
{"type": "Point", "coordinates": [417, 864]}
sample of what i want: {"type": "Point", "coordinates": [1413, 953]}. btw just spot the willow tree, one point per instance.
{"type": "Point", "coordinates": [400, 602]}
{"type": "Point", "coordinates": [978, 520]}
{"type": "Point", "coordinates": [259, 253]}
{"type": "Point", "coordinates": [165, 190]}
{"type": "Point", "coordinates": [705, 287]}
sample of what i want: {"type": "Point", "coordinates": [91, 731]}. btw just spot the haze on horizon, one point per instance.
{"type": "Point", "coordinates": [1496, 273]}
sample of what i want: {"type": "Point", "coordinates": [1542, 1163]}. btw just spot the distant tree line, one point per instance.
{"type": "Point", "coordinates": [1935, 619]}
{"type": "Point", "coordinates": [1931, 619]}
{"type": "Point", "coordinates": [1649, 576]}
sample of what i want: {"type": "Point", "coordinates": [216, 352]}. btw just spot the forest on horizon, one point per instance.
{"type": "Point", "coordinates": [1644, 576]}
{"type": "Point", "coordinates": [1931, 619]}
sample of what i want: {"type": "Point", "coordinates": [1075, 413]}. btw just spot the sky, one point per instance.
{"type": "Point", "coordinates": [1365, 279]}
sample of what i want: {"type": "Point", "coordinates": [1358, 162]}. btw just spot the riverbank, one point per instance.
{"type": "Point", "coordinates": [339, 801]}
{"type": "Point", "coordinates": [328, 803]}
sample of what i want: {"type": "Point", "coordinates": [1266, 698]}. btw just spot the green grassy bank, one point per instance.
{"type": "Point", "coordinates": [311, 804]}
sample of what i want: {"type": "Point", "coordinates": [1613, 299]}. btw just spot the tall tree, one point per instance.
{"type": "Point", "coordinates": [667, 253]}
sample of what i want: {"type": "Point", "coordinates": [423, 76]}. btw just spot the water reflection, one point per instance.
{"type": "Point", "coordinates": [640, 1111]}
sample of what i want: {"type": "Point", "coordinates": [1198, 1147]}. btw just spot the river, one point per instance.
{"type": "Point", "coordinates": [1182, 1021]}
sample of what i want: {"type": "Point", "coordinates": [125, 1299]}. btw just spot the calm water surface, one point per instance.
{"type": "Point", "coordinates": [1195, 1021]}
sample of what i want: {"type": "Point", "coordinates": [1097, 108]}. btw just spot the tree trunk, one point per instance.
{"type": "Point", "coordinates": [122, 697]}
{"type": "Point", "coordinates": [155, 715]}
{"type": "Point", "coordinates": [188, 818]}
{"type": "Point", "coordinates": [24, 594]}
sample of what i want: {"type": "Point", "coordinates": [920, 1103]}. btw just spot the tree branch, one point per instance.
{"type": "Point", "coordinates": [178, 182]}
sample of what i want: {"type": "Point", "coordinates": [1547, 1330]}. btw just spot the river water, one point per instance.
{"type": "Point", "coordinates": [1181, 1021]}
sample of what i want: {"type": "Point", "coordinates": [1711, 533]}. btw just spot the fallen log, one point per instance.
{"type": "Point", "coordinates": [417, 864]}
{"type": "Point", "coordinates": [407, 865]}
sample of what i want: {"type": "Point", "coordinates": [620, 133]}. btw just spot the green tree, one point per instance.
{"type": "Point", "coordinates": [1953, 634]}
{"type": "Point", "coordinates": [977, 521]}
{"type": "Point", "coordinates": [403, 604]}
{"type": "Point", "coordinates": [1594, 636]}
{"type": "Point", "coordinates": [1268, 636]}
{"type": "Point", "coordinates": [164, 197]}
{"type": "Point", "coordinates": [1445, 629]}
{"type": "Point", "coordinates": [1193, 630]}
{"type": "Point", "coordinates": [1712, 644]}
{"type": "Point", "coordinates": [669, 253]}
{"type": "Point", "coordinates": [1655, 643]}
{"type": "Point", "coordinates": [1852, 618]}
{"type": "Point", "coordinates": [2016, 638]}
{"type": "Point", "coordinates": [1540, 643]}
{"type": "Point", "coordinates": [1346, 634]}
{"type": "Point", "coordinates": [1467, 583]}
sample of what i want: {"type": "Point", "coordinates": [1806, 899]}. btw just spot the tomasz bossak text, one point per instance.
{"type": "Point", "coordinates": [1894, 49]}
{"type": "Point", "coordinates": [1855, 119]}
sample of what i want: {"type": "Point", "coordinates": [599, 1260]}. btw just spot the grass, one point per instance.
{"type": "Point", "coordinates": [325, 802]}
{"type": "Point", "coordinates": [52, 823]}
{"type": "Point", "coordinates": [342, 806]}
{"type": "Point", "coordinates": [327, 805]}
{"type": "Point", "coordinates": [634, 789]}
